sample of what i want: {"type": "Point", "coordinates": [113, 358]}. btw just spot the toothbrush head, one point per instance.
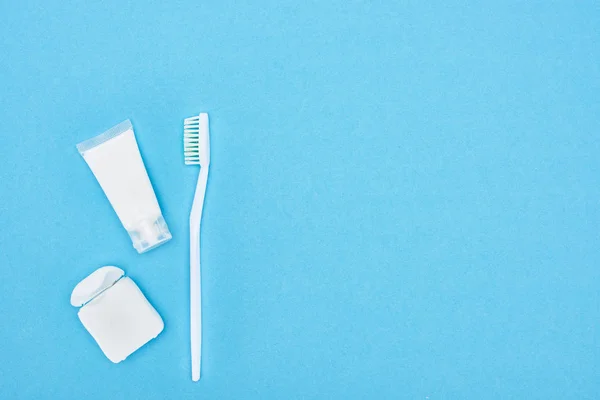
{"type": "Point", "coordinates": [196, 141]}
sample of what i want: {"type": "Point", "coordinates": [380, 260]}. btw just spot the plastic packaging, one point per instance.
{"type": "Point", "coordinates": [115, 312]}
{"type": "Point", "coordinates": [115, 160]}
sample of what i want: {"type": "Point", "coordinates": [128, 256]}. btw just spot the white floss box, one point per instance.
{"type": "Point", "coordinates": [115, 312]}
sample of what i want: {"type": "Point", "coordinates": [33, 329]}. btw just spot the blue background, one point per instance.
{"type": "Point", "coordinates": [403, 202]}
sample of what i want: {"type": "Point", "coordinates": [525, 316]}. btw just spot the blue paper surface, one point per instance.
{"type": "Point", "coordinates": [404, 200]}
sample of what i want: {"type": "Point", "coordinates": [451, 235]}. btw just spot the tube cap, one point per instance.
{"type": "Point", "coordinates": [150, 234]}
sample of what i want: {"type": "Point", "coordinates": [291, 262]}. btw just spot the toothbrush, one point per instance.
{"type": "Point", "coordinates": [196, 150]}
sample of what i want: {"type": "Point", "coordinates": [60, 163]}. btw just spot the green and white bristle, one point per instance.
{"type": "Point", "coordinates": [196, 148]}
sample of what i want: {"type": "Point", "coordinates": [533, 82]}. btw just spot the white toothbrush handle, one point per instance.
{"type": "Point", "coordinates": [195, 275]}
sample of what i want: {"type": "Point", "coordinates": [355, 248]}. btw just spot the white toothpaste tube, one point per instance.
{"type": "Point", "coordinates": [115, 160]}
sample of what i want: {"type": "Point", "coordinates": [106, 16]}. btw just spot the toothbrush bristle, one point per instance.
{"type": "Point", "coordinates": [191, 132]}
